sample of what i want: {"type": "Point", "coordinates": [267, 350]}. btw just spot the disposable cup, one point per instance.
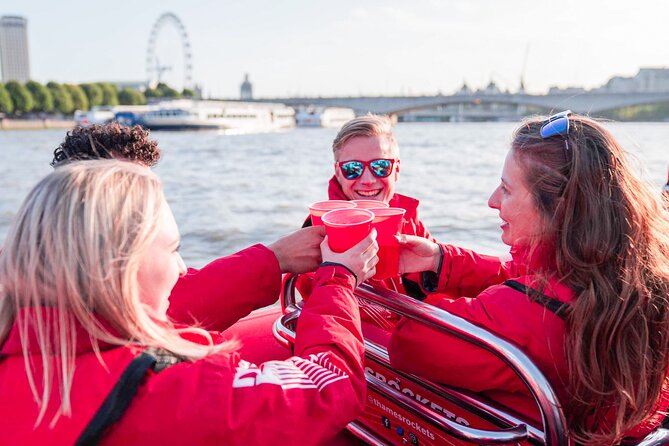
{"type": "Point", "coordinates": [388, 223]}
{"type": "Point", "coordinates": [319, 208]}
{"type": "Point", "coordinates": [346, 227]}
{"type": "Point", "coordinates": [370, 204]}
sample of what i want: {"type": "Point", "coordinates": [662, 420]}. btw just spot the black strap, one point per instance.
{"type": "Point", "coordinates": [556, 306]}
{"type": "Point", "coordinates": [118, 400]}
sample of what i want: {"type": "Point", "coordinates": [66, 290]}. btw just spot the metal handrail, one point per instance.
{"type": "Point", "coordinates": [554, 422]}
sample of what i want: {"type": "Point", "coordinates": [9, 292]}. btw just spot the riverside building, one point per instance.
{"type": "Point", "coordinates": [246, 89]}
{"type": "Point", "coordinates": [14, 60]}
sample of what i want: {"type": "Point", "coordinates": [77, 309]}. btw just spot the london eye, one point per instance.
{"type": "Point", "coordinates": [156, 63]}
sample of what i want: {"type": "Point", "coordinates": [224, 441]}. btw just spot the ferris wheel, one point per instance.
{"type": "Point", "coordinates": [154, 70]}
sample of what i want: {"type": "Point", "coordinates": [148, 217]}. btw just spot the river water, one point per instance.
{"type": "Point", "coordinates": [231, 191]}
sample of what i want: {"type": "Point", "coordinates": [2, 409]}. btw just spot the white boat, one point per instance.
{"type": "Point", "coordinates": [323, 116]}
{"type": "Point", "coordinates": [102, 114]}
{"type": "Point", "coordinates": [227, 115]}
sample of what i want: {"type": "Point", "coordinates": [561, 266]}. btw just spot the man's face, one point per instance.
{"type": "Point", "coordinates": [368, 186]}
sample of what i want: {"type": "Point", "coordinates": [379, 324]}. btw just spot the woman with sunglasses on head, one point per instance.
{"type": "Point", "coordinates": [586, 294]}
{"type": "Point", "coordinates": [90, 356]}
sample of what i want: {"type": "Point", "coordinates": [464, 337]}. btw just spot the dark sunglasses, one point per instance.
{"type": "Point", "coordinates": [558, 124]}
{"type": "Point", "coordinates": [380, 168]}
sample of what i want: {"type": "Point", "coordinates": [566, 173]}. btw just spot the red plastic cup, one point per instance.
{"type": "Point", "coordinates": [388, 223]}
{"type": "Point", "coordinates": [346, 227]}
{"type": "Point", "coordinates": [370, 204]}
{"type": "Point", "coordinates": [319, 208]}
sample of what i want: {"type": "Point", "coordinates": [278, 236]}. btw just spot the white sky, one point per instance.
{"type": "Point", "coordinates": [350, 47]}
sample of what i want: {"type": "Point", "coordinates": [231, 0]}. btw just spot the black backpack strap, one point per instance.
{"type": "Point", "coordinates": [124, 391]}
{"type": "Point", "coordinates": [556, 306]}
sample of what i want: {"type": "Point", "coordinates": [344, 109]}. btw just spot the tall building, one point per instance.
{"type": "Point", "coordinates": [246, 90]}
{"type": "Point", "coordinates": [14, 60]}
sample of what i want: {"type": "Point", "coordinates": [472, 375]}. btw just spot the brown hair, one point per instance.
{"type": "Point", "coordinates": [105, 141]}
{"type": "Point", "coordinates": [611, 239]}
{"type": "Point", "coordinates": [367, 125]}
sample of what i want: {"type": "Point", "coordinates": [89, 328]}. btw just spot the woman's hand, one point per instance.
{"type": "Point", "coordinates": [418, 254]}
{"type": "Point", "coordinates": [361, 259]}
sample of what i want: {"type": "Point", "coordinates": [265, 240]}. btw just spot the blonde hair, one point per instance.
{"type": "Point", "coordinates": [367, 125]}
{"type": "Point", "coordinates": [75, 247]}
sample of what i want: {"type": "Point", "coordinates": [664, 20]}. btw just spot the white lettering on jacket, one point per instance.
{"type": "Point", "coordinates": [316, 372]}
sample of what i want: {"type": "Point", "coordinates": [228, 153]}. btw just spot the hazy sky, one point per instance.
{"type": "Point", "coordinates": [350, 47]}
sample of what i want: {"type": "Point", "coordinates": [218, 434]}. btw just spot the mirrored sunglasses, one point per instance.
{"type": "Point", "coordinates": [380, 168]}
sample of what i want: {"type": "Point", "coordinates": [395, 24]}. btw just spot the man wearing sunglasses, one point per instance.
{"type": "Point", "coordinates": [366, 167]}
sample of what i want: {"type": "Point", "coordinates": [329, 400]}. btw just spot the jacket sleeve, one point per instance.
{"type": "Point", "coordinates": [467, 273]}
{"type": "Point", "coordinates": [226, 289]}
{"type": "Point", "coordinates": [303, 400]}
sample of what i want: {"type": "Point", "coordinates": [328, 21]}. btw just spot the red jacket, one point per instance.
{"type": "Point", "coordinates": [217, 400]}
{"type": "Point", "coordinates": [226, 289]}
{"type": "Point", "coordinates": [504, 311]}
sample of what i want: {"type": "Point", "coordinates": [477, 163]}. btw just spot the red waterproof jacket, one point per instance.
{"type": "Point", "coordinates": [534, 328]}
{"type": "Point", "coordinates": [226, 289]}
{"type": "Point", "coordinates": [217, 400]}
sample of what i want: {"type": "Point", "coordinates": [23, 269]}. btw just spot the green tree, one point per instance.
{"type": "Point", "coordinates": [94, 94]}
{"type": "Point", "coordinates": [109, 93]}
{"type": "Point", "coordinates": [128, 96]}
{"type": "Point", "coordinates": [42, 96]}
{"type": "Point", "coordinates": [21, 97]}
{"type": "Point", "coordinates": [188, 93]}
{"type": "Point", "coordinates": [166, 91]}
{"type": "Point", "coordinates": [153, 93]}
{"type": "Point", "coordinates": [79, 98]}
{"type": "Point", "coordinates": [62, 100]}
{"type": "Point", "coordinates": [6, 104]}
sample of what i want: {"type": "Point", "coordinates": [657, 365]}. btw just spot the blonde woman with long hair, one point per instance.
{"type": "Point", "coordinates": [89, 355]}
{"type": "Point", "coordinates": [586, 294]}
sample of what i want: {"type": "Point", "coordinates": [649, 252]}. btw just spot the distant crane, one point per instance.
{"type": "Point", "coordinates": [522, 73]}
{"type": "Point", "coordinates": [159, 70]}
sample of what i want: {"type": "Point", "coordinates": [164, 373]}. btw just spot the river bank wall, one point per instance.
{"type": "Point", "coordinates": [35, 124]}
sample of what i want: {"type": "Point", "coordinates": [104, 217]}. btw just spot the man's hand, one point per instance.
{"type": "Point", "coordinates": [418, 254]}
{"type": "Point", "coordinates": [299, 251]}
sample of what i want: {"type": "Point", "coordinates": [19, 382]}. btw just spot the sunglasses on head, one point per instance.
{"type": "Point", "coordinates": [380, 168]}
{"type": "Point", "coordinates": [558, 124]}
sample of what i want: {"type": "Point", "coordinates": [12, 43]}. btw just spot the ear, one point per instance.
{"type": "Point", "coordinates": [397, 169]}
{"type": "Point", "coordinates": [337, 173]}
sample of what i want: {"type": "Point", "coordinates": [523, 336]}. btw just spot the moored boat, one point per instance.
{"type": "Point", "coordinates": [225, 115]}
{"type": "Point", "coordinates": [331, 117]}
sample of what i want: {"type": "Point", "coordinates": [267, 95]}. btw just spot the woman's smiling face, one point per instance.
{"type": "Point", "coordinates": [521, 219]}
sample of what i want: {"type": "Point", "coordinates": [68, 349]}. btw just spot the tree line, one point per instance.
{"type": "Point", "coordinates": [17, 99]}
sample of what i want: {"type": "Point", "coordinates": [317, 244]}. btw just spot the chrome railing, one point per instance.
{"type": "Point", "coordinates": [554, 430]}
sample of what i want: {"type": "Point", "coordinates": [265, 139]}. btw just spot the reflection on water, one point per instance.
{"type": "Point", "coordinates": [230, 191]}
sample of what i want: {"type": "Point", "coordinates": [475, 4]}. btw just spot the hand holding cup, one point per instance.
{"type": "Point", "coordinates": [361, 259]}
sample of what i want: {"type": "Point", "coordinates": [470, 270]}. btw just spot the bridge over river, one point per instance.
{"type": "Point", "coordinates": [583, 102]}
